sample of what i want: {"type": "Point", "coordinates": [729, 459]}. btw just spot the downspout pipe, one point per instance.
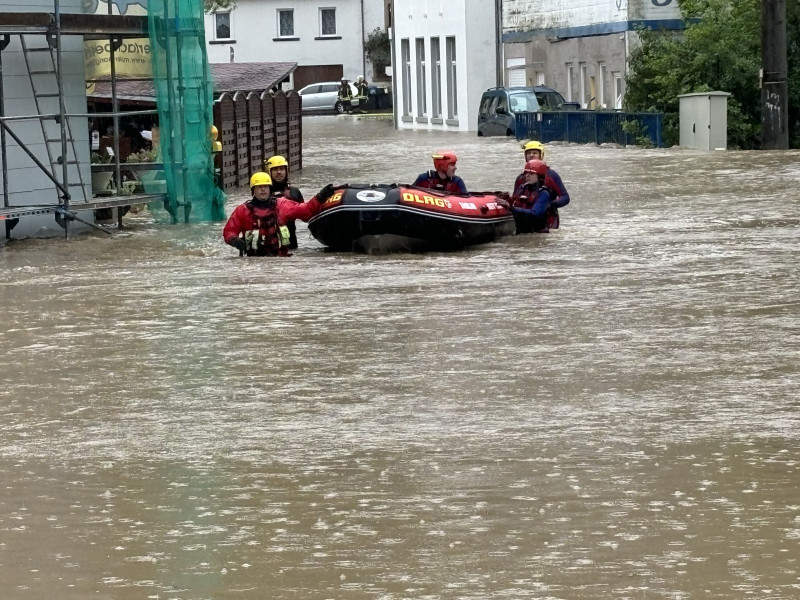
{"type": "Point", "coordinates": [498, 21]}
{"type": "Point", "coordinates": [363, 41]}
{"type": "Point", "coordinates": [395, 70]}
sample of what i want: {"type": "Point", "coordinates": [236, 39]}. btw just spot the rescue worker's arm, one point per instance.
{"type": "Point", "coordinates": [462, 187]}
{"type": "Point", "coordinates": [554, 183]}
{"type": "Point", "coordinates": [290, 211]}
{"type": "Point", "coordinates": [237, 224]}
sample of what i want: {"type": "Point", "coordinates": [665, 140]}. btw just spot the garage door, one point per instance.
{"type": "Point", "coordinates": [516, 72]}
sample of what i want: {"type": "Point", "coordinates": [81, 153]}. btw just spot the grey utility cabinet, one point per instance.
{"type": "Point", "coordinates": [704, 120]}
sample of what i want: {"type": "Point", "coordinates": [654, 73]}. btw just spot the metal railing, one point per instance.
{"type": "Point", "coordinates": [590, 126]}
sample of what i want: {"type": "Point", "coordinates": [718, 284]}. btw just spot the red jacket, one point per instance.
{"type": "Point", "coordinates": [244, 218]}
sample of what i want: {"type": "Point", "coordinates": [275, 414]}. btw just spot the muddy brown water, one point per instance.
{"type": "Point", "coordinates": [607, 411]}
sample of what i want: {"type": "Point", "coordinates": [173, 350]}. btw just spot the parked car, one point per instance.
{"type": "Point", "coordinates": [499, 107]}
{"type": "Point", "coordinates": [318, 97]}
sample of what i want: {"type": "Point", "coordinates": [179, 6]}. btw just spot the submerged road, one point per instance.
{"type": "Point", "coordinates": [607, 411]}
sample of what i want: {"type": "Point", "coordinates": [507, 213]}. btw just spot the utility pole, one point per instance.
{"type": "Point", "coordinates": [774, 85]}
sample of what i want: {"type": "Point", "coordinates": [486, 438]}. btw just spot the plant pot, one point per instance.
{"type": "Point", "coordinates": [101, 180]}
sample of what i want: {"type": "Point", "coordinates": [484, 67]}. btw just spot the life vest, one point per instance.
{"type": "Point", "coordinates": [528, 223]}
{"type": "Point", "coordinates": [528, 194]}
{"type": "Point", "coordinates": [267, 238]}
{"type": "Point", "coordinates": [435, 182]}
{"type": "Point", "coordinates": [345, 93]}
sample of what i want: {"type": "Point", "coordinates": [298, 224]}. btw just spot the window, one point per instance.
{"type": "Point", "coordinates": [583, 86]}
{"type": "Point", "coordinates": [484, 109]}
{"type": "Point", "coordinates": [549, 100]}
{"type": "Point", "coordinates": [406, 66]}
{"type": "Point", "coordinates": [515, 68]}
{"type": "Point", "coordinates": [601, 86]}
{"type": "Point", "coordinates": [617, 90]}
{"type": "Point", "coordinates": [285, 22]}
{"type": "Point", "coordinates": [526, 102]}
{"type": "Point", "coordinates": [569, 82]}
{"type": "Point", "coordinates": [452, 79]}
{"type": "Point", "coordinates": [436, 78]}
{"type": "Point", "coordinates": [502, 102]}
{"type": "Point", "coordinates": [327, 21]}
{"type": "Point", "coordinates": [222, 25]}
{"type": "Point", "coordinates": [422, 103]}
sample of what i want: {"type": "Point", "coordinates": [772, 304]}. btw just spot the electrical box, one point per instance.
{"type": "Point", "coordinates": [704, 120]}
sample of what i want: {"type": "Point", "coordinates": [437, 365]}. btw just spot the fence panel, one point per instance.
{"type": "Point", "coordinates": [295, 131]}
{"type": "Point", "coordinates": [242, 145]}
{"type": "Point", "coordinates": [588, 126]}
{"type": "Point", "coordinates": [255, 137]}
{"type": "Point", "coordinates": [268, 117]}
{"type": "Point", "coordinates": [281, 123]}
{"type": "Point", "coordinates": [227, 127]}
{"type": "Point", "coordinates": [252, 130]}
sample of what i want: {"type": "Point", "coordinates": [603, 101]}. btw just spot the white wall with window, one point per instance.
{"type": "Point", "coordinates": [601, 32]}
{"type": "Point", "coordinates": [306, 32]}
{"type": "Point", "coordinates": [447, 55]}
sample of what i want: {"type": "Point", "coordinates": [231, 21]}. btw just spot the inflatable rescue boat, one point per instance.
{"type": "Point", "coordinates": [404, 218]}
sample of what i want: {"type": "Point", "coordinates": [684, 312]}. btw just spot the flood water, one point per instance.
{"type": "Point", "coordinates": [609, 411]}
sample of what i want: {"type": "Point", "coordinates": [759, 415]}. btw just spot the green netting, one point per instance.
{"type": "Point", "coordinates": [184, 93]}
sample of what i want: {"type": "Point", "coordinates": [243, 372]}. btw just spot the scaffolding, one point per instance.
{"type": "Point", "coordinates": [49, 83]}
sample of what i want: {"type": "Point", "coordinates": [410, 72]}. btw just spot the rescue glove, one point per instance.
{"type": "Point", "coordinates": [325, 192]}
{"type": "Point", "coordinates": [238, 243]}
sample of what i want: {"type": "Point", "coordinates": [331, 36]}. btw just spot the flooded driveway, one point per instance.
{"type": "Point", "coordinates": [607, 411]}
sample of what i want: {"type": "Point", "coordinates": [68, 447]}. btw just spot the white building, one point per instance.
{"type": "Point", "coordinates": [444, 57]}
{"type": "Point", "coordinates": [580, 47]}
{"type": "Point", "coordinates": [324, 37]}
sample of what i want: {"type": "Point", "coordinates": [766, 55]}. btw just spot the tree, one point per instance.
{"type": "Point", "coordinates": [212, 5]}
{"type": "Point", "coordinates": [720, 49]}
{"type": "Point", "coordinates": [378, 50]}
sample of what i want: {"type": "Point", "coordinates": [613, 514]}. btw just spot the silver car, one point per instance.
{"type": "Point", "coordinates": [318, 97]}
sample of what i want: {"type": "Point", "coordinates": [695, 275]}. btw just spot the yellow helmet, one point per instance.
{"type": "Point", "coordinates": [275, 161]}
{"type": "Point", "coordinates": [216, 145]}
{"type": "Point", "coordinates": [260, 178]}
{"type": "Point", "coordinates": [533, 145]}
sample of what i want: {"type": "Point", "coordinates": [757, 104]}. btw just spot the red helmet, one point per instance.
{"type": "Point", "coordinates": [442, 160]}
{"type": "Point", "coordinates": [536, 166]}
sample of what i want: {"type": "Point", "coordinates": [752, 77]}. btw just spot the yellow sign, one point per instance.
{"type": "Point", "coordinates": [131, 59]}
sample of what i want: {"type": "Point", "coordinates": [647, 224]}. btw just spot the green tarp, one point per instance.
{"type": "Point", "coordinates": [184, 93]}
